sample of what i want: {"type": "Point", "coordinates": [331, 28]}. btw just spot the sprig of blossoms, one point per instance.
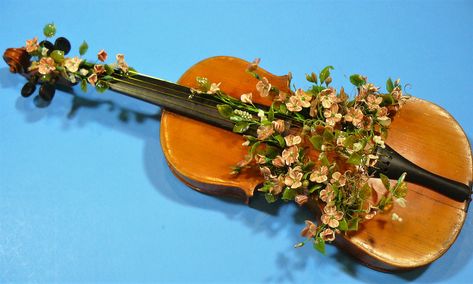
{"type": "Point", "coordinates": [50, 64]}
{"type": "Point", "coordinates": [326, 153]}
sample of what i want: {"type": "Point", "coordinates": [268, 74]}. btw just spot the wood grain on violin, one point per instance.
{"type": "Point", "coordinates": [422, 132]}
{"type": "Point", "coordinates": [201, 155]}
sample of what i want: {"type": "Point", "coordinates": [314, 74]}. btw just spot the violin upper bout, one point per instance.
{"type": "Point", "coordinates": [201, 155]}
{"type": "Point", "coordinates": [17, 59]}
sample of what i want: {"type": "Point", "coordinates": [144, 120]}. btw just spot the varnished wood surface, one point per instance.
{"type": "Point", "coordinates": [427, 135]}
{"type": "Point", "coordinates": [422, 132]}
{"type": "Point", "coordinates": [202, 155]}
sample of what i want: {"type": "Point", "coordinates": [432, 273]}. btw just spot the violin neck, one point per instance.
{"type": "Point", "coordinates": [173, 97]}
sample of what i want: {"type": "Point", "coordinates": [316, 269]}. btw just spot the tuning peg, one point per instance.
{"type": "Point", "coordinates": [63, 44]}
{"type": "Point", "coordinates": [28, 89]}
{"type": "Point", "coordinates": [46, 92]}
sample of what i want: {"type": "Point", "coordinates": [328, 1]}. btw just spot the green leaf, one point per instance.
{"type": "Point", "coordinates": [83, 85]}
{"type": "Point", "coordinates": [271, 152]}
{"type": "Point", "coordinates": [325, 73]}
{"type": "Point", "coordinates": [253, 148]}
{"type": "Point", "coordinates": [101, 86]}
{"type": "Point", "coordinates": [267, 185]}
{"type": "Point", "coordinates": [283, 109]}
{"type": "Point", "coordinates": [343, 225]}
{"type": "Point", "coordinates": [49, 30]}
{"type": "Point", "coordinates": [387, 100]}
{"type": "Point", "coordinates": [280, 139]}
{"type": "Point", "coordinates": [298, 115]}
{"type": "Point", "coordinates": [357, 80]}
{"type": "Point", "coordinates": [270, 198]}
{"type": "Point", "coordinates": [389, 85]}
{"type": "Point", "coordinates": [271, 113]}
{"type": "Point", "coordinates": [328, 135]}
{"type": "Point", "coordinates": [353, 225]}
{"type": "Point", "coordinates": [87, 64]}
{"type": "Point", "coordinates": [225, 110]}
{"type": "Point", "coordinates": [204, 83]}
{"type": "Point", "coordinates": [83, 48]}
{"type": "Point", "coordinates": [289, 194]}
{"type": "Point", "coordinates": [317, 142]}
{"type": "Point", "coordinates": [355, 159]}
{"type": "Point", "coordinates": [319, 245]}
{"type": "Point", "coordinates": [108, 69]}
{"type": "Point", "coordinates": [349, 141]}
{"type": "Point", "coordinates": [107, 78]}
{"type": "Point", "coordinates": [308, 166]}
{"type": "Point", "coordinates": [324, 160]}
{"type": "Point", "coordinates": [400, 189]}
{"type": "Point", "coordinates": [254, 74]}
{"type": "Point", "coordinates": [250, 138]}
{"type": "Point", "coordinates": [382, 202]}
{"type": "Point", "coordinates": [241, 127]}
{"type": "Point", "coordinates": [315, 187]}
{"type": "Point", "coordinates": [385, 181]}
{"type": "Point", "coordinates": [365, 191]}
{"type": "Point", "coordinates": [265, 122]}
{"type": "Point", "coordinates": [316, 89]}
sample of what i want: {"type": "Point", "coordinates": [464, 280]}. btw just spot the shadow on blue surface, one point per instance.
{"type": "Point", "coordinates": [290, 261]}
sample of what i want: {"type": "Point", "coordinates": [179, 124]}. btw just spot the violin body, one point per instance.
{"type": "Point", "coordinates": [202, 156]}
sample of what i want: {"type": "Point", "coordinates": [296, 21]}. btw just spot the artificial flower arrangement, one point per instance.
{"type": "Point", "coordinates": [318, 144]}
{"type": "Point", "coordinates": [313, 144]}
{"type": "Point", "coordinates": [52, 65]}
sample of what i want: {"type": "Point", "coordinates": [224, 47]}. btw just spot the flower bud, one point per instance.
{"type": "Point", "coordinates": [328, 80]}
{"type": "Point", "coordinates": [312, 77]}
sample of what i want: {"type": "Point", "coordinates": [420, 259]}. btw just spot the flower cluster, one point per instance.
{"type": "Point", "coordinates": [51, 64]}
{"type": "Point", "coordinates": [317, 144]}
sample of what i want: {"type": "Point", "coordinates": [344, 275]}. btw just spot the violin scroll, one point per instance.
{"type": "Point", "coordinates": [17, 59]}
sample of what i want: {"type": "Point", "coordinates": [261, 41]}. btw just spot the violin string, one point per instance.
{"type": "Point", "coordinates": [173, 87]}
{"type": "Point", "coordinates": [170, 94]}
{"type": "Point", "coordinates": [217, 119]}
{"type": "Point", "coordinates": [161, 93]}
{"type": "Point", "coordinates": [183, 95]}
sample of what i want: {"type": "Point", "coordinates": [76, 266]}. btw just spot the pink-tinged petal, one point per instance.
{"type": "Point", "coordinates": [32, 45]}
{"type": "Point", "coordinates": [247, 98]}
{"type": "Point", "coordinates": [328, 235]}
{"type": "Point", "coordinates": [102, 55]}
{"type": "Point", "coordinates": [301, 199]}
{"type": "Point", "coordinates": [92, 79]}
{"type": "Point", "coordinates": [309, 230]}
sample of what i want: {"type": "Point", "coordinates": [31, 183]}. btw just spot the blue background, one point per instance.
{"type": "Point", "coordinates": [85, 192]}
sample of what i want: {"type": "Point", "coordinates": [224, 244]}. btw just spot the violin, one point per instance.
{"type": "Point", "coordinates": [424, 141]}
